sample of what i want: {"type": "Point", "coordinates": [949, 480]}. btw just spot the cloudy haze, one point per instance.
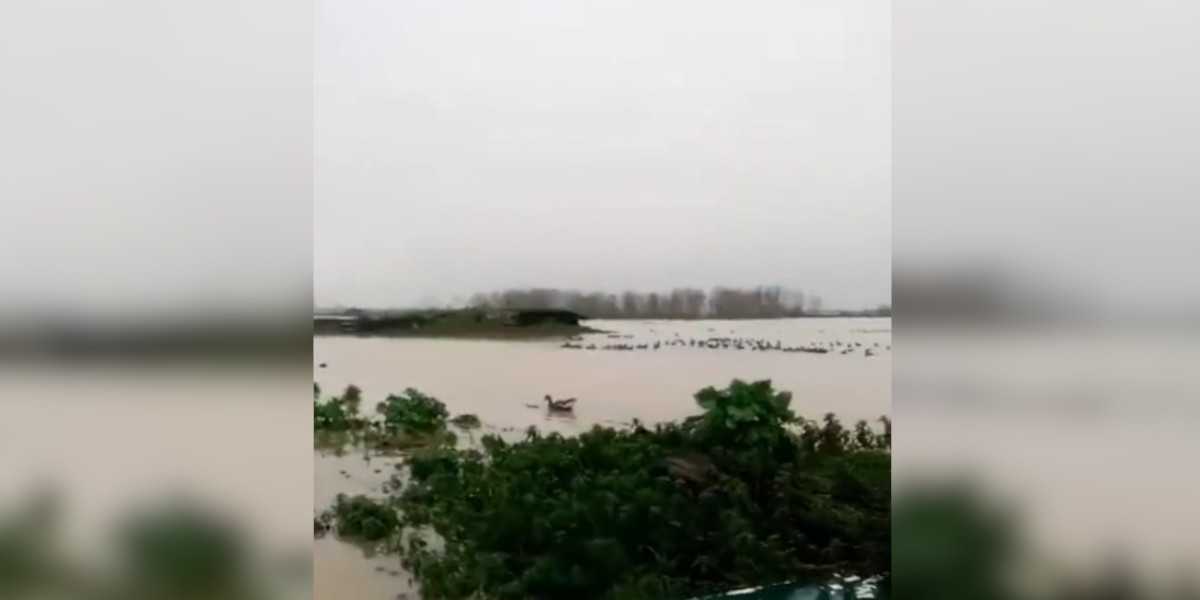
{"type": "Point", "coordinates": [471, 146]}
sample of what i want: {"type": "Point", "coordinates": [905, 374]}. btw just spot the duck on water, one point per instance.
{"type": "Point", "coordinates": [564, 405]}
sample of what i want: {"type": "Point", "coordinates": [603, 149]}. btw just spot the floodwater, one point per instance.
{"type": "Point", "coordinates": [497, 379]}
{"type": "Point", "coordinates": [113, 441]}
{"type": "Point", "coordinates": [349, 570]}
{"type": "Point", "coordinates": [1088, 436]}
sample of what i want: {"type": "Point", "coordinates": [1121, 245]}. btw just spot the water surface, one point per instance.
{"type": "Point", "coordinates": [498, 379]}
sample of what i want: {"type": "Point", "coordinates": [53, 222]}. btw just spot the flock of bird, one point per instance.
{"type": "Point", "coordinates": [728, 343]}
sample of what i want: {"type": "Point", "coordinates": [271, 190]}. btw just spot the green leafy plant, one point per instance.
{"type": "Point", "coordinates": [361, 517]}
{"type": "Point", "coordinates": [182, 550]}
{"type": "Point", "coordinates": [744, 413]}
{"type": "Point", "coordinates": [330, 416]}
{"type": "Point", "coordinates": [413, 412]}
{"type": "Point", "coordinates": [338, 414]}
{"type": "Point", "coordinates": [351, 398]}
{"type": "Point", "coordinates": [731, 497]}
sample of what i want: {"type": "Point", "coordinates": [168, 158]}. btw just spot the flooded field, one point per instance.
{"type": "Point", "coordinates": [496, 379]}
{"type": "Point", "coordinates": [500, 381]}
{"type": "Point", "coordinates": [124, 442]}
{"type": "Point", "coordinates": [1065, 426]}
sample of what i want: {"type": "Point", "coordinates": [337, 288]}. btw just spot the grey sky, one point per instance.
{"type": "Point", "coordinates": [158, 158]}
{"type": "Point", "coordinates": [472, 146]}
{"type": "Point", "coordinates": [1068, 159]}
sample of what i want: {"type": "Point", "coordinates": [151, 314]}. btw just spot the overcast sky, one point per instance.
{"type": "Point", "coordinates": [473, 146]}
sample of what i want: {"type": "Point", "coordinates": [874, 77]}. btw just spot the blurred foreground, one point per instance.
{"type": "Point", "coordinates": [123, 480]}
{"type": "Point", "coordinates": [154, 323]}
{"type": "Point", "coordinates": [1046, 301]}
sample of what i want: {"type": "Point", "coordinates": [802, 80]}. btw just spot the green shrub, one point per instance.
{"type": "Point", "coordinates": [361, 517]}
{"type": "Point", "coordinates": [351, 398]}
{"type": "Point", "coordinates": [744, 414]}
{"type": "Point", "coordinates": [181, 550]}
{"type": "Point", "coordinates": [730, 498]}
{"type": "Point", "coordinates": [413, 412]}
{"type": "Point", "coordinates": [330, 416]}
{"type": "Point", "coordinates": [338, 414]}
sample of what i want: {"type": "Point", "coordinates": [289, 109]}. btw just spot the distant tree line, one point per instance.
{"type": "Point", "coordinates": [762, 302]}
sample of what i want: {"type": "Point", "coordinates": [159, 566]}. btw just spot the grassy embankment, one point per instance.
{"type": "Point", "coordinates": [464, 324]}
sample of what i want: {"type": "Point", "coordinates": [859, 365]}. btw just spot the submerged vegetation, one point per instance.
{"type": "Point", "coordinates": [331, 416]}
{"type": "Point", "coordinates": [412, 412]}
{"type": "Point", "coordinates": [408, 420]}
{"type": "Point", "coordinates": [362, 518]}
{"type": "Point", "coordinates": [339, 413]}
{"type": "Point", "coordinates": [744, 494]}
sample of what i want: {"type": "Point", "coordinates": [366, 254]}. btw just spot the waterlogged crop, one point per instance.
{"type": "Point", "coordinates": [744, 494]}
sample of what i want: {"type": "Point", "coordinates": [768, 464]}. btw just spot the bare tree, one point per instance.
{"type": "Point", "coordinates": [814, 304]}
{"type": "Point", "coordinates": [653, 309]}
{"type": "Point", "coordinates": [630, 307]}
{"type": "Point", "coordinates": [679, 303]}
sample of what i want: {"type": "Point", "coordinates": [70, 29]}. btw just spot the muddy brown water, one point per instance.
{"type": "Point", "coordinates": [496, 380]}
{"type": "Point", "coordinates": [117, 440]}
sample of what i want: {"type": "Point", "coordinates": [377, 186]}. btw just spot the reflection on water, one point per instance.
{"type": "Point", "coordinates": [503, 383]}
